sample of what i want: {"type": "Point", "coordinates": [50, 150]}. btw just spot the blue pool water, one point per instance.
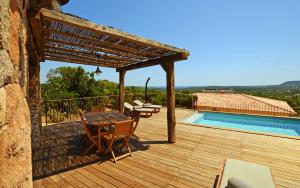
{"type": "Point", "coordinates": [274, 125]}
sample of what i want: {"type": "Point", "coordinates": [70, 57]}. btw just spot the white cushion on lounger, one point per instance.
{"type": "Point", "coordinates": [137, 108]}
{"type": "Point", "coordinates": [144, 109]}
{"type": "Point", "coordinates": [138, 102]}
{"type": "Point", "coordinates": [128, 106]}
{"type": "Point", "coordinates": [152, 106]}
{"type": "Point", "coordinates": [255, 175]}
{"type": "Point", "coordinates": [237, 183]}
{"type": "Point", "coordinates": [146, 105]}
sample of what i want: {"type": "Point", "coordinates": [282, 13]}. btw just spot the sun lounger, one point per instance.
{"type": "Point", "coordinates": [147, 105]}
{"type": "Point", "coordinates": [242, 174]}
{"type": "Point", "coordinates": [147, 112]}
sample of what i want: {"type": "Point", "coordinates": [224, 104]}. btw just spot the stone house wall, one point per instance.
{"type": "Point", "coordinates": [15, 124]}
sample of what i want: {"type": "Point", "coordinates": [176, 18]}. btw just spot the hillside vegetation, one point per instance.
{"type": "Point", "coordinates": [74, 82]}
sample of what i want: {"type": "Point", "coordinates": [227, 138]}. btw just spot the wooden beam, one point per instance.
{"type": "Point", "coordinates": [163, 65]}
{"type": "Point", "coordinates": [171, 102]}
{"type": "Point", "coordinates": [151, 62]}
{"type": "Point", "coordinates": [107, 30]}
{"type": "Point", "coordinates": [55, 5]}
{"type": "Point", "coordinates": [37, 31]}
{"type": "Point", "coordinates": [121, 91]}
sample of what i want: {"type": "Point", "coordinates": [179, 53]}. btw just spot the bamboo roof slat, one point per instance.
{"type": "Point", "coordinates": [71, 39]}
{"type": "Point", "coordinates": [88, 54]}
{"type": "Point", "coordinates": [90, 46]}
{"type": "Point", "coordinates": [61, 58]}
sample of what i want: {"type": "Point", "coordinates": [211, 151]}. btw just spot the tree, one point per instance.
{"type": "Point", "coordinates": [71, 82]}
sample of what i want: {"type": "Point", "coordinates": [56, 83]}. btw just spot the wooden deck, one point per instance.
{"type": "Point", "coordinates": [194, 161]}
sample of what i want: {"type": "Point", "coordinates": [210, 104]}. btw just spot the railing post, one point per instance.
{"type": "Point", "coordinates": [70, 110]}
{"type": "Point", "coordinates": [169, 68]}
{"type": "Point", "coordinates": [121, 91]}
{"type": "Point", "coordinates": [45, 104]}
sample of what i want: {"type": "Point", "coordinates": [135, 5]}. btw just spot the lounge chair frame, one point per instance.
{"type": "Point", "coordinates": [139, 103]}
{"type": "Point", "coordinates": [145, 112]}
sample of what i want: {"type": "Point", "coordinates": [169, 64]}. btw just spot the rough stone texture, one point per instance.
{"type": "Point", "coordinates": [15, 127]}
{"type": "Point", "coordinates": [14, 38]}
{"type": "Point", "coordinates": [18, 36]}
{"type": "Point", "coordinates": [2, 108]}
{"type": "Point", "coordinates": [4, 23]}
{"type": "Point", "coordinates": [15, 145]}
{"type": "Point", "coordinates": [6, 68]}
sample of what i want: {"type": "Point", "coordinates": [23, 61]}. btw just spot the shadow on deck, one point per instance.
{"type": "Point", "coordinates": [59, 148]}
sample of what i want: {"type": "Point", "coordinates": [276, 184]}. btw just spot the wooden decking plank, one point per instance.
{"type": "Point", "coordinates": [105, 177]}
{"type": "Point", "coordinates": [138, 172]}
{"type": "Point", "coordinates": [84, 180]}
{"type": "Point", "coordinates": [171, 169]}
{"type": "Point", "coordinates": [114, 167]}
{"type": "Point", "coordinates": [194, 161]}
{"type": "Point", "coordinates": [174, 174]}
{"type": "Point", "coordinates": [95, 178]}
{"type": "Point", "coordinates": [67, 176]}
{"type": "Point", "coordinates": [38, 183]}
{"type": "Point", "coordinates": [47, 182]}
{"type": "Point", "coordinates": [113, 174]}
{"type": "Point", "coordinates": [60, 182]}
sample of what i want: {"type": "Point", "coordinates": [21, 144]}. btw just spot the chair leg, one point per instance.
{"type": "Point", "coordinates": [88, 149]}
{"type": "Point", "coordinates": [136, 137]}
{"type": "Point", "coordinates": [113, 154]}
{"type": "Point", "coordinates": [129, 151]}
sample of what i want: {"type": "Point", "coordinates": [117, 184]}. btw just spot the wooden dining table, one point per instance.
{"type": "Point", "coordinates": [103, 119]}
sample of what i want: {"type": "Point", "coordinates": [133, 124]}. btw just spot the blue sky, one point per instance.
{"type": "Point", "coordinates": [232, 42]}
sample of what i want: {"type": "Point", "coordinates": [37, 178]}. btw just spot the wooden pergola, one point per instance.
{"type": "Point", "coordinates": [61, 37]}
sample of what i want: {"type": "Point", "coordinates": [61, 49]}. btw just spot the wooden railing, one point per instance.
{"type": "Point", "coordinates": [66, 110]}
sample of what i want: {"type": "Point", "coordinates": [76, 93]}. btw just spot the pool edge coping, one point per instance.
{"type": "Point", "coordinates": [286, 117]}
{"type": "Point", "coordinates": [237, 130]}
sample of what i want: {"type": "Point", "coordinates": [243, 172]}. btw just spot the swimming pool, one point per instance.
{"type": "Point", "coordinates": [274, 125]}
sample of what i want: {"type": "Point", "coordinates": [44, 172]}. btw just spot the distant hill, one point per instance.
{"type": "Point", "coordinates": [285, 85]}
{"type": "Point", "coordinates": [291, 83]}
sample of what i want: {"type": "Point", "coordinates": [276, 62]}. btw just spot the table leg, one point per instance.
{"type": "Point", "coordinates": [99, 139]}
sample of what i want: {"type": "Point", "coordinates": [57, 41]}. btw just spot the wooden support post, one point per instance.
{"type": "Point", "coordinates": [169, 68]}
{"type": "Point", "coordinates": [121, 91]}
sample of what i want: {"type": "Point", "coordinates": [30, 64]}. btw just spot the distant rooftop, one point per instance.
{"type": "Point", "coordinates": [242, 103]}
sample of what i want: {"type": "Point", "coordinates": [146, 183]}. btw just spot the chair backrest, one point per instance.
{"type": "Point", "coordinates": [135, 116]}
{"type": "Point", "coordinates": [138, 102]}
{"type": "Point", "coordinates": [128, 106]}
{"type": "Point", "coordinates": [81, 112]}
{"type": "Point", "coordinates": [85, 128]}
{"type": "Point", "coordinates": [123, 129]}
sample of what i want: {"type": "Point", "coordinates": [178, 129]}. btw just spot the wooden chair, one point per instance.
{"type": "Point", "coordinates": [91, 135]}
{"type": "Point", "coordinates": [122, 131]}
{"type": "Point", "coordinates": [135, 116]}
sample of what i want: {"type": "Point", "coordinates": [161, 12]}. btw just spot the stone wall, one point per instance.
{"type": "Point", "coordinates": [15, 127]}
